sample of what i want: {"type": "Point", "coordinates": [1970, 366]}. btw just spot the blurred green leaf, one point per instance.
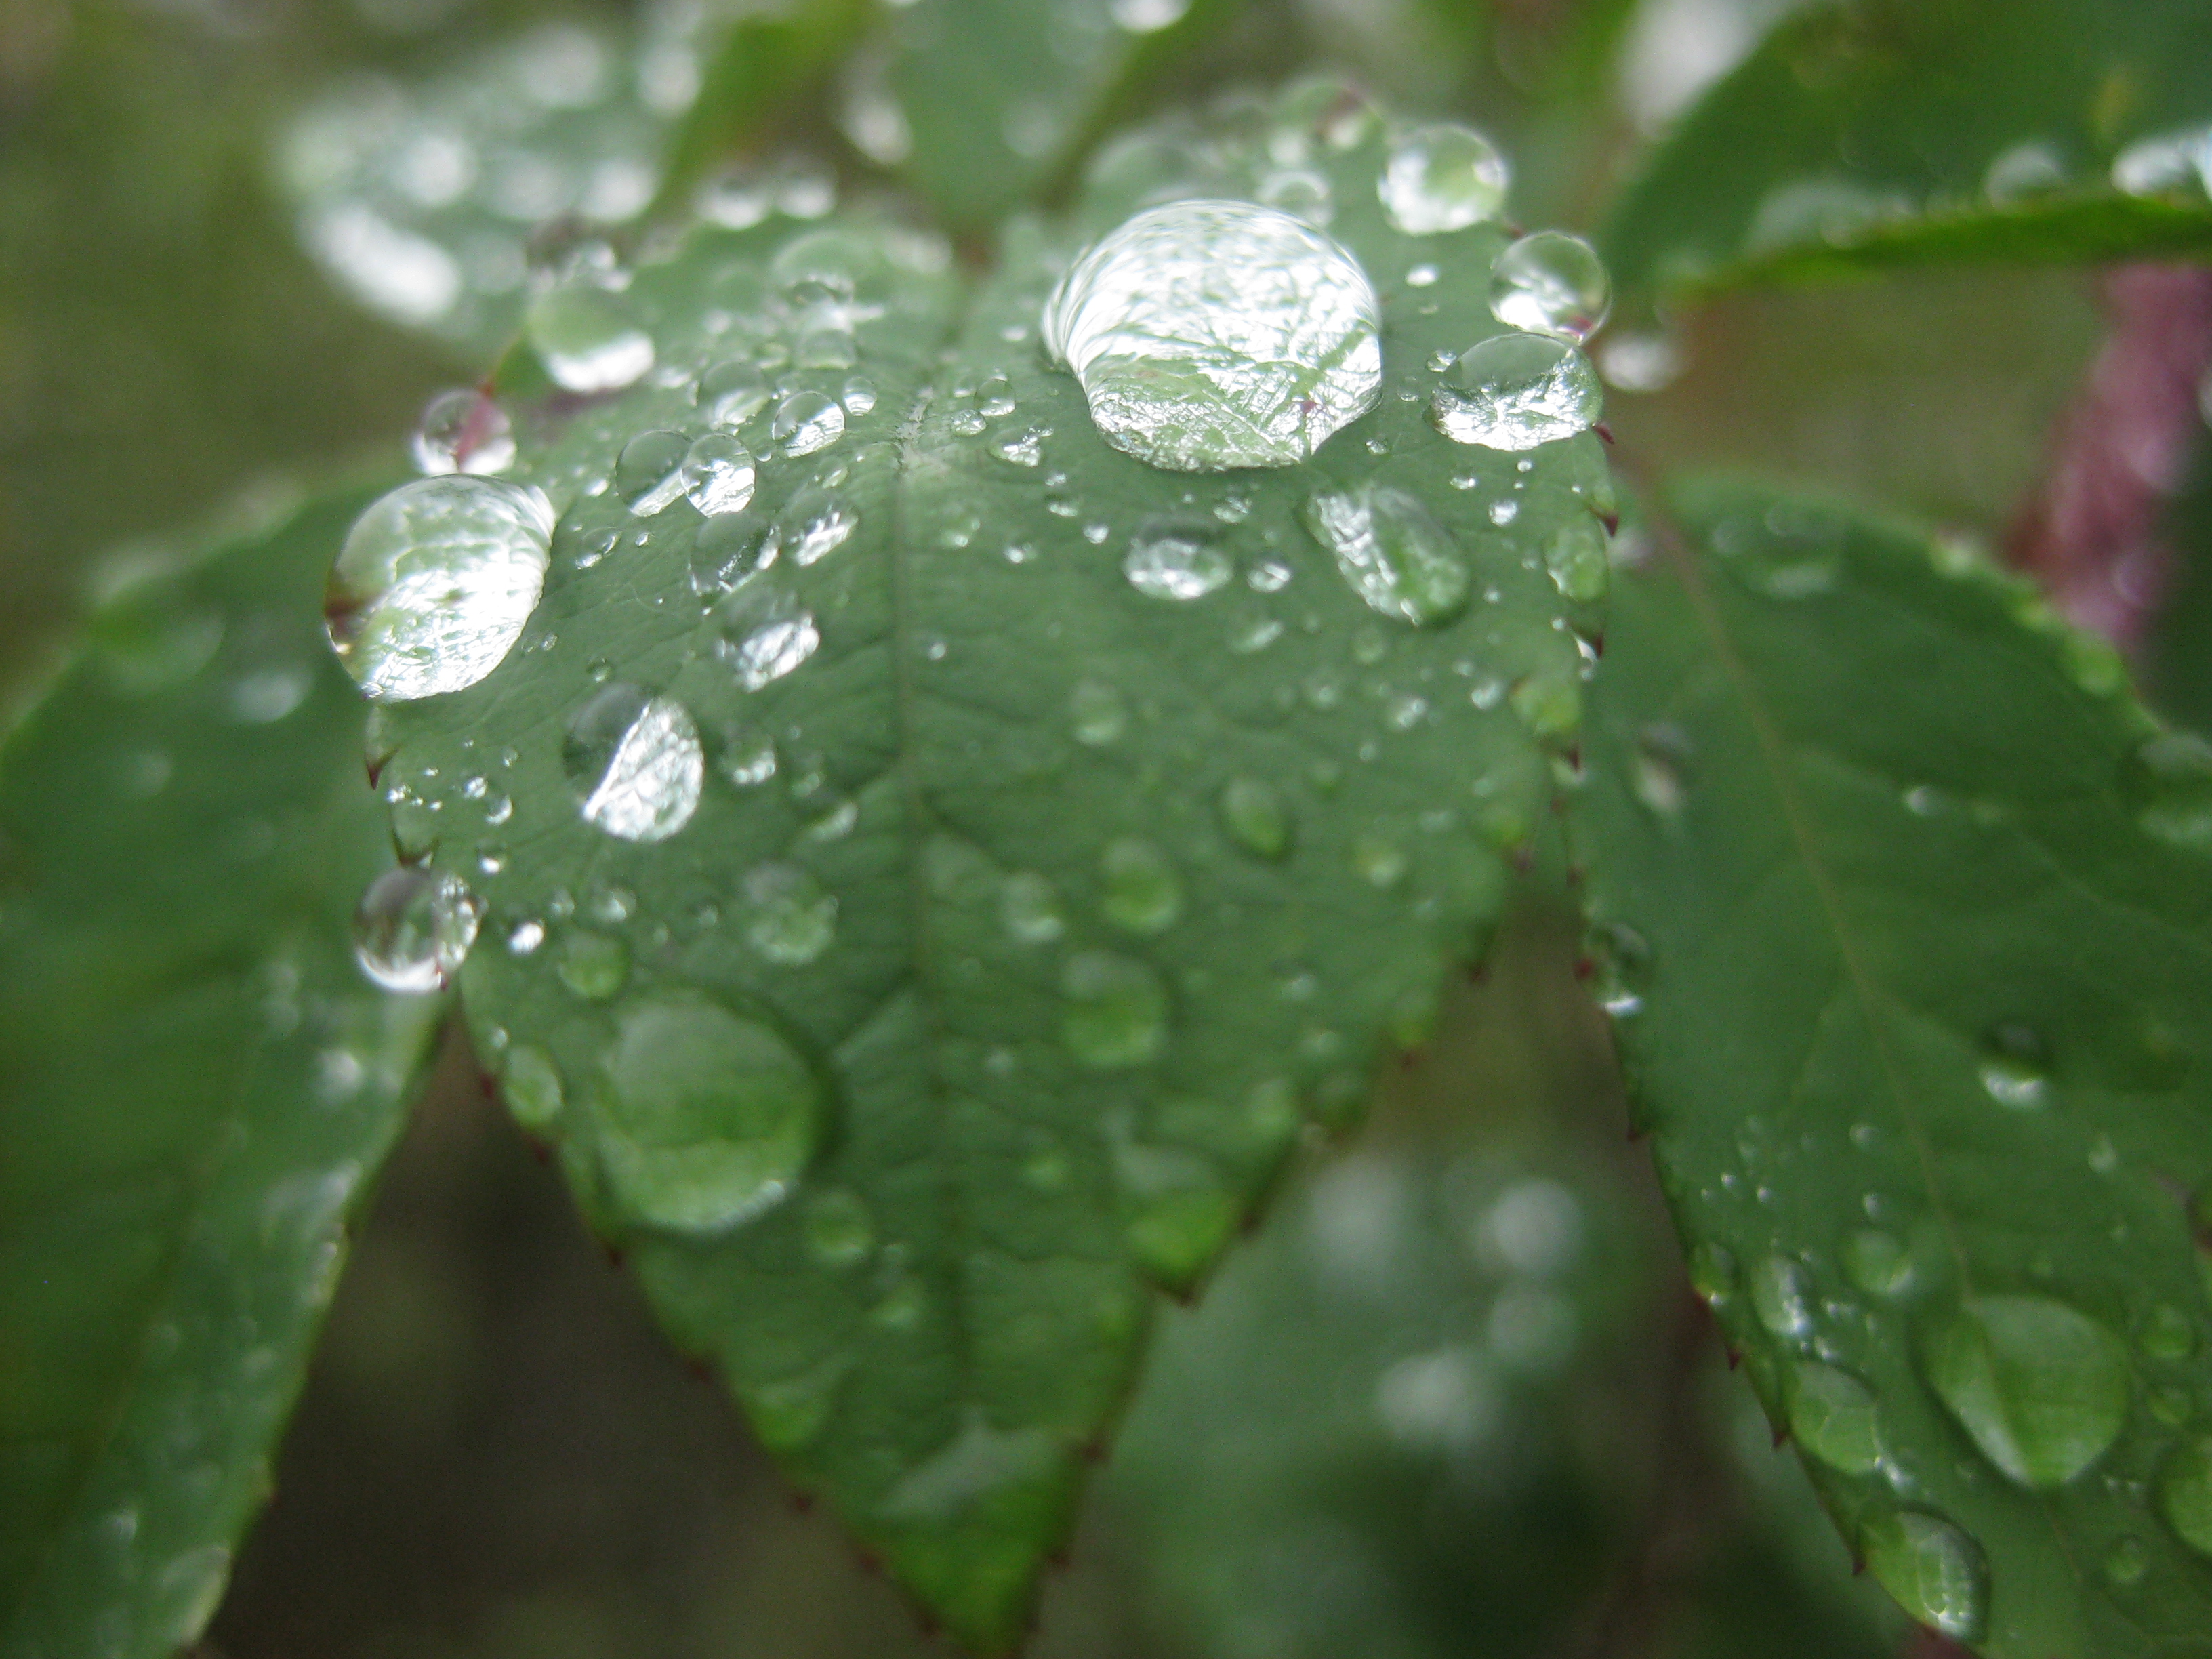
{"type": "Point", "coordinates": [199, 1082]}
{"type": "Point", "coordinates": [1002, 918]}
{"type": "Point", "coordinates": [1907, 903]}
{"type": "Point", "coordinates": [1886, 132]}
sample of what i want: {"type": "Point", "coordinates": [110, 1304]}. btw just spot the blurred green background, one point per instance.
{"type": "Point", "coordinates": [1416, 1416]}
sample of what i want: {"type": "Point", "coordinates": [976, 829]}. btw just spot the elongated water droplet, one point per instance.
{"type": "Point", "coordinates": [1936, 1573]}
{"type": "Point", "coordinates": [789, 918]}
{"type": "Point", "coordinates": [719, 475]}
{"type": "Point", "coordinates": [580, 332]}
{"type": "Point", "coordinates": [1834, 1416]}
{"type": "Point", "coordinates": [1141, 892]}
{"type": "Point", "coordinates": [649, 472]}
{"type": "Point", "coordinates": [530, 1083]}
{"type": "Point", "coordinates": [765, 634]}
{"type": "Point", "coordinates": [1030, 908]}
{"type": "Point", "coordinates": [1580, 565]}
{"type": "Point", "coordinates": [1114, 1010]}
{"type": "Point", "coordinates": [981, 1463]}
{"type": "Point", "coordinates": [635, 761]}
{"type": "Point", "coordinates": [1391, 550]}
{"type": "Point", "coordinates": [1513, 392]}
{"type": "Point", "coordinates": [2169, 778]}
{"type": "Point", "coordinates": [1210, 335]}
{"type": "Point", "coordinates": [1712, 1272]}
{"type": "Point", "coordinates": [1551, 284]}
{"type": "Point", "coordinates": [1099, 713]}
{"type": "Point", "coordinates": [1780, 1298]}
{"type": "Point", "coordinates": [2041, 1388]}
{"type": "Point", "coordinates": [1252, 812]}
{"type": "Point", "coordinates": [462, 432]}
{"type": "Point", "coordinates": [1172, 562]}
{"type": "Point", "coordinates": [708, 1117]}
{"type": "Point", "coordinates": [413, 928]}
{"type": "Point", "coordinates": [1441, 178]}
{"type": "Point", "coordinates": [2184, 1495]}
{"type": "Point", "coordinates": [434, 585]}
{"type": "Point", "coordinates": [807, 422]}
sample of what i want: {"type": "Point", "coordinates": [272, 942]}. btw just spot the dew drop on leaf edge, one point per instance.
{"type": "Point", "coordinates": [414, 927]}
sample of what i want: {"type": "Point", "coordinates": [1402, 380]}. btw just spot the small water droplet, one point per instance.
{"type": "Point", "coordinates": [635, 762]}
{"type": "Point", "coordinates": [1177, 562]}
{"type": "Point", "coordinates": [595, 966]}
{"type": "Point", "coordinates": [1780, 1298]}
{"type": "Point", "coordinates": [650, 472]}
{"type": "Point", "coordinates": [1099, 713]}
{"type": "Point", "coordinates": [413, 928]}
{"type": "Point", "coordinates": [729, 548]}
{"type": "Point", "coordinates": [1878, 1263]}
{"type": "Point", "coordinates": [1393, 552]}
{"type": "Point", "coordinates": [839, 1233]}
{"type": "Point", "coordinates": [1441, 178]}
{"type": "Point", "coordinates": [1577, 558]}
{"type": "Point", "coordinates": [1148, 16]}
{"type": "Point", "coordinates": [708, 1117]}
{"type": "Point", "coordinates": [525, 938]}
{"type": "Point", "coordinates": [2168, 1333]}
{"type": "Point", "coordinates": [1936, 1573]}
{"type": "Point", "coordinates": [815, 523]}
{"type": "Point", "coordinates": [788, 917]}
{"type": "Point", "coordinates": [2169, 779]}
{"type": "Point", "coordinates": [462, 432]}
{"type": "Point", "coordinates": [2176, 163]}
{"type": "Point", "coordinates": [748, 756]}
{"type": "Point", "coordinates": [1712, 1271]}
{"type": "Point", "coordinates": [1551, 284]}
{"type": "Point", "coordinates": [1210, 335]}
{"type": "Point", "coordinates": [1252, 812]}
{"type": "Point", "coordinates": [1513, 392]}
{"type": "Point", "coordinates": [1834, 1416]}
{"type": "Point", "coordinates": [1114, 1010]}
{"type": "Point", "coordinates": [588, 345]}
{"type": "Point", "coordinates": [1378, 861]}
{"type": "Point", "coordinates": [2040, 1388]}
{"type": "Point", "coordinates": [719, 475]}
{"type": "Point", "coordinates": [434, 584]}
{"type": "Point", "coordinates": [2185, 1494]}
{"type": "Point", "coordinates": [807, 422]}
{"type": "Point", "coordinates": [1140, 893]}
{"type": "Point", "coordinates": [1029, 909]}
{"type": "Point", "coordinates": [2028, 170]}
{"type": "Point", "coordinates": [732, 393]}
{"type": "Point", "coordinates": [530, 1082]}
{"type": "Point", "coordinates": [765, 634]}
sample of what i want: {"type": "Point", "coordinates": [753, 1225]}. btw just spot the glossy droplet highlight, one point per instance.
{"type": "Point", "coordinates": [635, 761]}
{"type": "Point", "coordinates": [2040, 1388]}
{"type": "Point", "coordinates": [707, 1117]}
{"type": "Point", "coordinates": [1781, 1299]}
{"type": "Point", "coordinates": [1210, 335]}
{"type": "Point", "coordinates": [814, 524]}
{"type": "Point", "coordinates": [1139, 890]}
{"type": "Point", "coordinates": [788, 917]}
{"type": "Point", "coordinates": [1551, 284]}
{"type": "Point", "coordinates": [1114, 1010]}
{"type": "Point", "coordinates": [1393, 553]}
{"type": "Point", "coordinates": [719, 475]}
{"type": "Point", "coordinates": [1936, 1573]}
{"type": "Point", "coordinates": [1834, 1418]}
{"type": "Point", "coordinates": [1440, 177]}
{"type": "Point", "coordinates": [436, 583]}
{"type": "Point", "coordinates": [1176, 564]}
{"type": "Point", "coordinates": [649, 472]}
{"type": "Point", "coordinates": [1513, 392]}
{"type": "Point", "coordinates": [2184, 1495]}
{"type": "Point", "coordinates": [1252, 812]}
{"type": "Point", "coordinates": [1147, 17]}
{"type": "Point", "coordinates": [462, 432]}
{"type": "Point", "coordinates": [588, 345]}
{"type": "Point", "coordinates": [413, 928]}
{"type": "Point", "coordinates": [807, 422]}
{"type": "Point", "coordinates": [765, 634]}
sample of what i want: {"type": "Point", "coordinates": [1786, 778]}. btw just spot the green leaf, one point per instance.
{"type": "Point", "coordinates": [995, 101]}
{"type": "Point", "coordinates": [1910, 922]}
{"type": "Point", "coordinates": [978, 964]}
{"type": "Point", "coordinates": [1906, 131]}
{"type": "Point", "coordinates": [199, 1082]}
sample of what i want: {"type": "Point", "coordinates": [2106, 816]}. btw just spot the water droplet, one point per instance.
{"type": "Point", "coordinates": [2169, 779]}
{"type": "Point", "coordinates": [650, 471]}
{"type": "Point", "coordinates": [1712, 1271]}
{"type": "Point", "coordinates": [789, 919]}
{"type": "Point", "coordinates": [185, 1594]}
{"type": "Point", "coordinates": [2126, 1562]}
{"type": "Point", "coordinates": [1441, 178]}
{"type": "Point", "coordinates": [635, 761]}
{"type": "Point", "coordinates": [1780, 1298]}
{"type": "Point", "coordinates": [814, 524]}
{"type": "Point", "coordinates": [2168, 1333]}
{"type": "Point", "coordinates": [1099, 714]}
{"type": "Point", "coordinates": [1029, 909]}
{"type": "Point", "coordinates": [1936, 1573]}
{"type": "Point", "coordinates": [732, 393]}
{"type": "Point", "coordinates": [748, 758]}
{"type": "Point", "coordinates": [593, 965]}
{"type": "Point", "coordinates": [1377, 861]}
{"type": "Point", "coordinates": [839, 1233]}
{"type": "Point", "coordinates": [1177, 562]}
{"type": "Point", "coordinates": [807, 422]}
{"type": "Point", "coordinates": [1551, 284]}
{"type": "Point", "coordinates": [708, 1117]}
{"type": "Point", "coordinates": [1641, 363]}
{"type": "Point", "coordinates": [729, 548]}
{"type": "Point", "coordinates": [1396, 556]}
{"type": "Point", "coordinates": [860, 396]}
{"type": "Point", "coordinates": [2184, 1495]}
{"type": "Point", "coordinates": [434, 584]}
{"type": "Point", "coordinates": [1513, 392]}
{"type": "Point", "coordinates": [718, 475]}
{"type": "Point", "coordinates": [2030, 169]}
{"type": "Point", "coordinates": [980, 1463]}
{"type": "Point", "coordinates": [2167, 164]}
{"type": "Point", "coordinates": [413, 928]}
{"type": "Point", "coordinates": [1148, 16]}
{"type": "Point", "coordinates": [531, 1083]}
{"type": "Point", "coordinates": [1578, 560]}
{"type": "Point", "coordinates": [1252, 812]}
{"type": "Point", "coordinates": [2042, 1389]}
{"type": "Point", "coordinates": [462, 432]}
{"type": "Point", "coordinates": [765, 634]}
{"type": "Point", "coordinates": [1210, 335]}
{"type": "Point", "coordinates": [1114, 1010]}
{"type": "Point", "coordinates": [580, 332]}
{"type": "Point", "coordinates": [1877, 1263]}
{"type": "Point", "coordinates": [1834, 1416]}
{"type": "Point", "coordinates": [1141, 892]}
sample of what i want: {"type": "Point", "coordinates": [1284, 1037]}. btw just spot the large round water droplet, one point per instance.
{"type": "Point", "coordinates": [413, 928]}
{"type": "Point", "coordinates": [1515, 392]}
{"type": "Point", "coordinates": [707, 1118]}
{"type": "Point", "coordinates": [788, 917]}
{"type": "Point", "coordinates": [1113, 1012]}
{"type": "Point", "coordinates": [730, 547]}
{"type": "Point", "coordinates": [434, 584]}
{"type": "Point", "coordinates": [1392, 550]}
{"type": "Point", "coordinates": [1441, 178]}
{"type": "Point", "coordinates": [1177, 562]}
{"type": "Point", "coordinates": [765, 634]}
{"type": "Point", "coordinates": [2184, 1495]}
{"type": "Point", "coordinates": [1140, 890]}
{"type": "Point", "coordinates": [635, 763]}
{"type": "Point", "coordinates": [462, 432]}
{"type": "Point", "coordinates": [1937, 1573]}
{"type": "Point", "coordinates": [806, 422]}
{"type": "Point", "coordinates": [1210, 335]}
{"type": "Point", "coordinates": [649, 472]}
{"type": "Point", "coordinates": [1834, 1416]}
{"type": "Point", "coordinates": [732, 393]}
{"type": "Point", "coordinates": [2042, 1389]}
{"type": "Point", "coordinates": [814, 524]}
{"type": "Point", "coordinates": [718, 475]}
{"type": "Point", "coordinates": [580, 332]}
{"type": "Point", "coordinates": [1551, 284]}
